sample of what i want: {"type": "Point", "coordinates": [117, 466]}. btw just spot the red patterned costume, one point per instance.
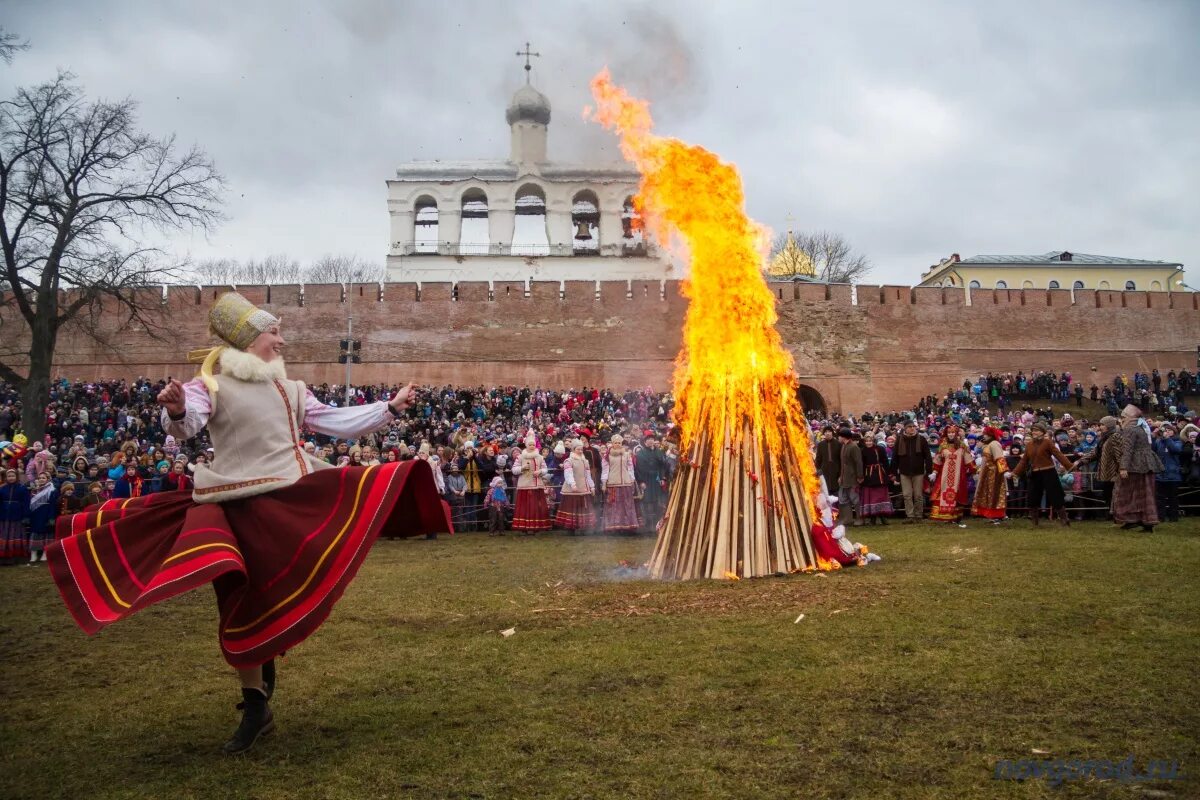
{"type": "Point", "coordinates": [951, 466]}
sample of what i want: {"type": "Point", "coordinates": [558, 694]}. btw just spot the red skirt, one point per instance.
{"type": "Point", "coordinates": [575, 512]}
{"type": "Point", "coordinates": [278, 561]}
{"type": "Point", "coordinates": [532, 512]}
{"type": "Point", "coordinates": [620, 511]}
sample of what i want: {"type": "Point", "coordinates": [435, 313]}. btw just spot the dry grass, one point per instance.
{"type": "Point", "coordinates": [909, 678]}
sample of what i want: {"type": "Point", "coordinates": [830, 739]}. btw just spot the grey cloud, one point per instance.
{"type": "Point", "coordinates": [915, 129]}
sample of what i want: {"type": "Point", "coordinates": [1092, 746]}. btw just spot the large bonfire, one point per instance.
{"type": "Point", "coordinates": [748, 494]}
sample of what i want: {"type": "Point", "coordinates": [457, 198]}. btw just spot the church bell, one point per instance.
{"type": "Point", "coordinates": [582, 232]}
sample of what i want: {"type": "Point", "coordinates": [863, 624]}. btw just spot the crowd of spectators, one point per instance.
{"type": "Point", "coordinates": [104, 439]}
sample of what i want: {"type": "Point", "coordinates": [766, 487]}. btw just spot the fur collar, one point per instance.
{"type": "Point", "coordinates": [247, 367]}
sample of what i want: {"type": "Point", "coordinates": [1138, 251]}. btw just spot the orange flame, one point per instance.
{"type": "Point", "coordinates": [732, 576]}
{"type": "Point", "coordinates": [733, 368]}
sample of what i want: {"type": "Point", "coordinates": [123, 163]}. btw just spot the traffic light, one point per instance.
{"type": "Point", "coordinates": [350, 351]}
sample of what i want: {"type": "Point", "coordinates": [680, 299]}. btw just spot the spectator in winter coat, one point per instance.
{"type": "Point", "coordinates": [913, 461]}
{"type": "Point", "coordinates": [1169, 449]}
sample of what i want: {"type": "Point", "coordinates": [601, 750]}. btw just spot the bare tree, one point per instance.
{"type": "Point", "coordinates": [832, 258]}
{"type": "Point", "coordinates": [273, 270]}
{"type": "Point", "coordinates": [215, 271]}
{"type": "Point", "coordinates": [10, 45]}
{"type": "Point", "coordinates": [79, 185]}
{"type": "Point", "coordinates": [344, 269]}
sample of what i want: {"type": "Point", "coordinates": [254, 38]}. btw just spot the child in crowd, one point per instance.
{"type": "Point", "coordinates": [496, 501]}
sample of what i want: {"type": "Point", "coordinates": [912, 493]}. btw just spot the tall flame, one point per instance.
{"type": "Point", "coordinates": [733, 367]}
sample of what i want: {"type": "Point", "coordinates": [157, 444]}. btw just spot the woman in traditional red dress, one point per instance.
{"type": "Point", "coordinates": [279, 533]}
{"type": "Point", "coordinates": [575, 511]}
{"type": "Point", "coordinates": [991, 484]}
{"type": "Point", "coordinates": [531, 512]}
{"type": "Point", "coordinates": [951, 466]}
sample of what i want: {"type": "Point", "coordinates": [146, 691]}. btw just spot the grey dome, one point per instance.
{"type": "Point", "coordinates": [530, 105]}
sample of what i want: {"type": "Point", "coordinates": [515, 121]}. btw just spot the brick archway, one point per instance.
{"type": "Point", "coordinates": [811, 400]}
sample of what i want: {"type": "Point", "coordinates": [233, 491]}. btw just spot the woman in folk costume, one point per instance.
{"type": "Point", "coordinates": [951, 465]}
{"type": "Point", "coordinates": [279, 534]}
{"type": "Point", "coordinates": [875, 502]}
{"type": "Point", "coordinates": [1040, 454]}
{"type": "Point", "coordinates": [617, 482]}
{"type": "Point", "coordinates": [14, 508]}
{"type": "Point", "coordinates": [575, 511]}
{"type": "Point", "coordinates": [1134, 502]}
{"type": "Point", "coordinates": [43, 508]}
{"type": "Point", "coordinates": [532, 511]}
{"type": "Point", "coordinates": [991, 485]}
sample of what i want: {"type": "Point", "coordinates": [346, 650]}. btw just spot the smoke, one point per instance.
{"type": "Point", "coordinates": [648, 51]}
{"type": "Point", "coordinates": [652, 58]}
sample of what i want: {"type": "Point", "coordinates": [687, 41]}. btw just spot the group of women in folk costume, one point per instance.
{"type": "Point", "coordinates": [279, 533]}
{"type": "Point", "coordinates": [576, 510]}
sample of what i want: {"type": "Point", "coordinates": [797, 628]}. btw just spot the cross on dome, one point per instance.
{"type": "Point", "coordinates": [527, 54]}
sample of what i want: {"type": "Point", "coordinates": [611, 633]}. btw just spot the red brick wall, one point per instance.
{"type": "Point", "coordinates": [880, 350]}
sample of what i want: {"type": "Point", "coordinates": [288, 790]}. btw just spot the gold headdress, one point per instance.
{"type": "Point", "coordinates": [237, 322]}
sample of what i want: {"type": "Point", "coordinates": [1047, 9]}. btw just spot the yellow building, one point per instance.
{"type": "Point", "coordinates": [1056, 270]}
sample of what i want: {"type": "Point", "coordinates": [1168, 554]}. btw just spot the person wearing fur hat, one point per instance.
{"type": "Point", "coordinates": [278, 533]}
{"type": "Point", "coordinates": [1038, 459]}
{"type": "Point", "coordinates": [532, 511]}
{"type": "Point", "coordinates": [617, 482]}
{"type": "Point", "coordinates": [575, 511]}
{"type": "Point", "coordinates": [991, 486]}
{"type": "Point", "coordinates": [951, 465]}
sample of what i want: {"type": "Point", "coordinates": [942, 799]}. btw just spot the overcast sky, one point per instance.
{"type": "Point", "coordinates": [914, 129]}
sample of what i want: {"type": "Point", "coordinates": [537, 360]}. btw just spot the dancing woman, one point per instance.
{"type": "Point", "coordinates": [279, 533]}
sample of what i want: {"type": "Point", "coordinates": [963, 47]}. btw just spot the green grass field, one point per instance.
{"type": "Point", "coordinates": [907, 678]}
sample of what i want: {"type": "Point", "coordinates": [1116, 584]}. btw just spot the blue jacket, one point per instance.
{"type": "Point", "coordinates": [14, 502]}
{"type": "Point", "coordinates": [1168, 450]}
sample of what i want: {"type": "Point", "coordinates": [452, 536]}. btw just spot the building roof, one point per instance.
{"type": "Point", "coordinates": [507, 171]}
{"type": "Point", "coordinates": [1057, 257]}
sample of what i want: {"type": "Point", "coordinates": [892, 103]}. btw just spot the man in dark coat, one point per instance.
{"type": "Point", "coordinates": [913, 462]}
{"type": "Point", "coordinates": [829, 458]}
{"type": "Point", "coordinates": [850, 477]}
{"type": "Point", "coordinates": [650, 470]}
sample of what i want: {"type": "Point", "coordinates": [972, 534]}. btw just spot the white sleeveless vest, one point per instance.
{"type": "Point", "coordinates": [255, 429]}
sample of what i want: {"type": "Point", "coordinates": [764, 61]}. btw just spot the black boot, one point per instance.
{"type": "Point", "coordinates": [1034, 515]}
{"type": "Point", "coordinates": [883, 520]}
{"type": "Point", "coordinates": [1148, 528]}
{"type": "Point", "coordinates": [1128, 526]}
{"type": "Point", "coordinates": [269, 678]}
{"type": "Point", "coordinates": [257, 721]}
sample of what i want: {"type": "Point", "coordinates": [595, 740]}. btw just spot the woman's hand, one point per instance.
{"type": "Point", "coordinates": [401, 399]}
{"type": "Point", "coordinates": [171, 398]}
{"type": "Point", "coordinates": [1124, 474]}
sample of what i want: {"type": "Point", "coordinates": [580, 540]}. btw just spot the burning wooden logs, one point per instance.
{"type": "Point", "coordinates": [736, 512]}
